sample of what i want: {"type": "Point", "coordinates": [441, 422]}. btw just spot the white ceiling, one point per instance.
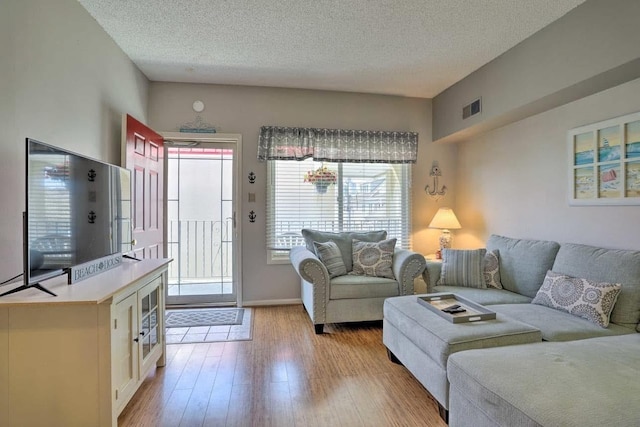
{"type": "Point", "coordinates": [396, 47]}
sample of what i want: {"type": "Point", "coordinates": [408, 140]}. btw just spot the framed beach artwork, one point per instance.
{"type": "Point", "coordinates": [605, 162]}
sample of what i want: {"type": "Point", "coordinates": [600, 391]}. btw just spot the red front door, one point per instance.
{"type": "Point", "coordinates": [145, 159]}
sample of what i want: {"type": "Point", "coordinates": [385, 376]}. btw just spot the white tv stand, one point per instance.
{"type": "Point", "coordinates": [78, 358]}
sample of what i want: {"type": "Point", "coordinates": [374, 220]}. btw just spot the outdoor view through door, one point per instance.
{"type": "Point", "coordinates": [200, 228]}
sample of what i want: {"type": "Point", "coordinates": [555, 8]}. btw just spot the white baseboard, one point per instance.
{"type": "Point", "coordinates": [292, 301]}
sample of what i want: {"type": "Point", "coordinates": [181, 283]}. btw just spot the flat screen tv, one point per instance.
{"type": "Point", "coordinates": [78, 210]}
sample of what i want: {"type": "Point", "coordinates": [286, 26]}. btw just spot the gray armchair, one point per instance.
{"type": "Point", "coordinates": [350, 298]}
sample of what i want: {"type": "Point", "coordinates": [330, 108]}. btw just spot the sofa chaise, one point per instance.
{"type": "Point", "coordinates": [585, 383]}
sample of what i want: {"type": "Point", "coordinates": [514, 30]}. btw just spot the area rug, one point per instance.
{"type": "Point", "coordinates": [196, 331]}
{"type": "Point", "coordinates": [204, 317]}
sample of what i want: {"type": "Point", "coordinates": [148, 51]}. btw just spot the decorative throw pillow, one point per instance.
{"type": "Point", "coordinates": [492, 270]}
{"type": "Point", "coordinates": [330, 255]}
{"type": "Point", "coordinates": [373, 258]}
{"type": "Point", "coordinates": [463, 268]}
{"type": "Point", "coordinates": [580, 297]}
{"type": "Point", "coordinates": [342, 239]}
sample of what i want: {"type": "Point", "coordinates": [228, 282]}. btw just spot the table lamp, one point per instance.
{"type": "Point", "coordinates": [445, 219]}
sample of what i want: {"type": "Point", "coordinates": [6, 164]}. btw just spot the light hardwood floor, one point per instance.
{"type": "Point", "coordinates": [286, 376]}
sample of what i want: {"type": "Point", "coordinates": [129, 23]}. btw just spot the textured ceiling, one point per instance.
{"type": "Point", "coordinates": [397, 47]}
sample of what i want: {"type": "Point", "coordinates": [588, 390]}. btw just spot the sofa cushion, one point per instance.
{"type": "Point", "coordinates": [373, 258]}
{"type": "Point", "coordinates": [351, 286]}
{"type": "Point", "coordinates": [484, 296]}
{"type": "Point", "coordinates": [606, 265]}
{"type": "Point", "coordinates": [492, 270]}
{"type": "Point", "coordinates": [557, 325]}
{"type": "Point", "coordinates": [342, 239]}
{"type": "Point", "coordinates": [463, 268]}
{"type": "Point", "coordinates": [329, 254]}
{"type": "Point", "coordinates": [523, 263]}
{"type": "Point", "coordinates": [580, 297]}
{"type": "Point", "coordinates": [581, 383]}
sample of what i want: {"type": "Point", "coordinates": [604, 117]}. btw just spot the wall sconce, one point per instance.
{"type": "Point", "coordinates": [434, 192]}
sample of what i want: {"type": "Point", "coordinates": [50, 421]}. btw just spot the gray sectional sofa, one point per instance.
{"type": "Point", "coordinates": [581, 374]}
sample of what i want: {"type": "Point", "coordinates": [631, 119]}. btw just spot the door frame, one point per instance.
{"type": "Point", "coordinates": [232, 138]}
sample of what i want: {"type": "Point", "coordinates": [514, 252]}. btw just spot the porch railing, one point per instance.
{"type": "Point", "coordinates": [202, 251]}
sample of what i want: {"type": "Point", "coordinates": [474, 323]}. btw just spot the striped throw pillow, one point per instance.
{"type": "Point", "coordinates": [330, 255]}
{"type": "Point", "coordinates": [463, 268]}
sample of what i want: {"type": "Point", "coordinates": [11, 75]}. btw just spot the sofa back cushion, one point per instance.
{"type": "Point", "coordinates": [523, 263]}
{"type": "Point", "coordinates": [606, 265]}
{"type": "Point", "coordinates": [343, 240]}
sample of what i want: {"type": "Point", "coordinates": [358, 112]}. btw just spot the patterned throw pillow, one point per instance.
{"type": "Point", "coordinates": [330, 255]}
{"type": "Point", "coordinates": [492, 270]}
{"type": "Point", "coordinates": [580, 297]}
{"type": "Point", "coordinates": [373, 258]}
{"type": "Point", "coordinates": [463, 268]}
{"type": "Point", "coordinates": [342, 239]}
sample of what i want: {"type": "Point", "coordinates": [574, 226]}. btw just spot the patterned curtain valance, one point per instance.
{"type": "Point", "coordinates": [336, 145]}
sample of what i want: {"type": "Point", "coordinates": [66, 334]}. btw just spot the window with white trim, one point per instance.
{"type": "Point", "coordinates": [335, 197]}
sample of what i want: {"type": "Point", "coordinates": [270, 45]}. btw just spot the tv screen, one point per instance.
{"type": "Point", "coordinates": [77, 210]}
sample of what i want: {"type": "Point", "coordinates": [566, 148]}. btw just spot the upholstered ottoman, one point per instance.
{"type": "Point", "coordinates": [422, 341]}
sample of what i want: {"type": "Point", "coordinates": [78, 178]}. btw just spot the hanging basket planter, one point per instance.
{"type": "Point", "coordinates": [321, 187]}
{"type": "Point", "coordinates": [321, 178]}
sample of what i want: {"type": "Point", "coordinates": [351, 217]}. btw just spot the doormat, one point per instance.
{"type": "Point", "coordinates": [204, 317]}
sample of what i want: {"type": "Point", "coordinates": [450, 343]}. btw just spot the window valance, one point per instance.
{"type": "Point", "coordinates": [337, 145]}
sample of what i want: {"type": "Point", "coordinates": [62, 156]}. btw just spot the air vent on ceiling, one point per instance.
{"type": "Point", "coordinates": [471, 109]}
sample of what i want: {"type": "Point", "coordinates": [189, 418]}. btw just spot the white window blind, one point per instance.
{"type": "Point", "coordinates": [50, 208]}
{"type": "Point", "coordinates": [364, 196]}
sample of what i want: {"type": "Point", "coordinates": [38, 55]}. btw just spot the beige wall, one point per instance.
{"type": "Point", "coordinates": [240, 109]}
{"type": "Point", "coordinates": [62, 81]}
{"type": "Point", "coordinates": [590, 49]}
{"type": "Point", "coordinates": [514, 181]}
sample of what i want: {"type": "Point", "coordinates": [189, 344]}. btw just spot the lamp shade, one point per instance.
{"type": "Point", "coordinates": [445, 219]}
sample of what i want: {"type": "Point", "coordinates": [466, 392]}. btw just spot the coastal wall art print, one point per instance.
{"type": "Point", "coordinates": [605, 162]}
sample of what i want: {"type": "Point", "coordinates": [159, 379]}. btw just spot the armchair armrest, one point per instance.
{"type": "Point", "coordinates": [314, 284]}
{"type": "Point", "coordinates": [308, 266]}
{"type": "Point", "coordinates": [406, 266]}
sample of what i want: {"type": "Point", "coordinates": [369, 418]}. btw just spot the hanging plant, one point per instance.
{"type": "Point", "coordinates": [321, 178]}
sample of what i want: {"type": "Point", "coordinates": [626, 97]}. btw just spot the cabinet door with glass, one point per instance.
{"type": "Point", "coordinates": [125, 350]}
{"type": "Point", "coordinates": [151, 322]}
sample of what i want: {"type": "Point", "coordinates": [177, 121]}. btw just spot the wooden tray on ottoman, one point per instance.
{"type": "Point", "coordinates": [475, 312]}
